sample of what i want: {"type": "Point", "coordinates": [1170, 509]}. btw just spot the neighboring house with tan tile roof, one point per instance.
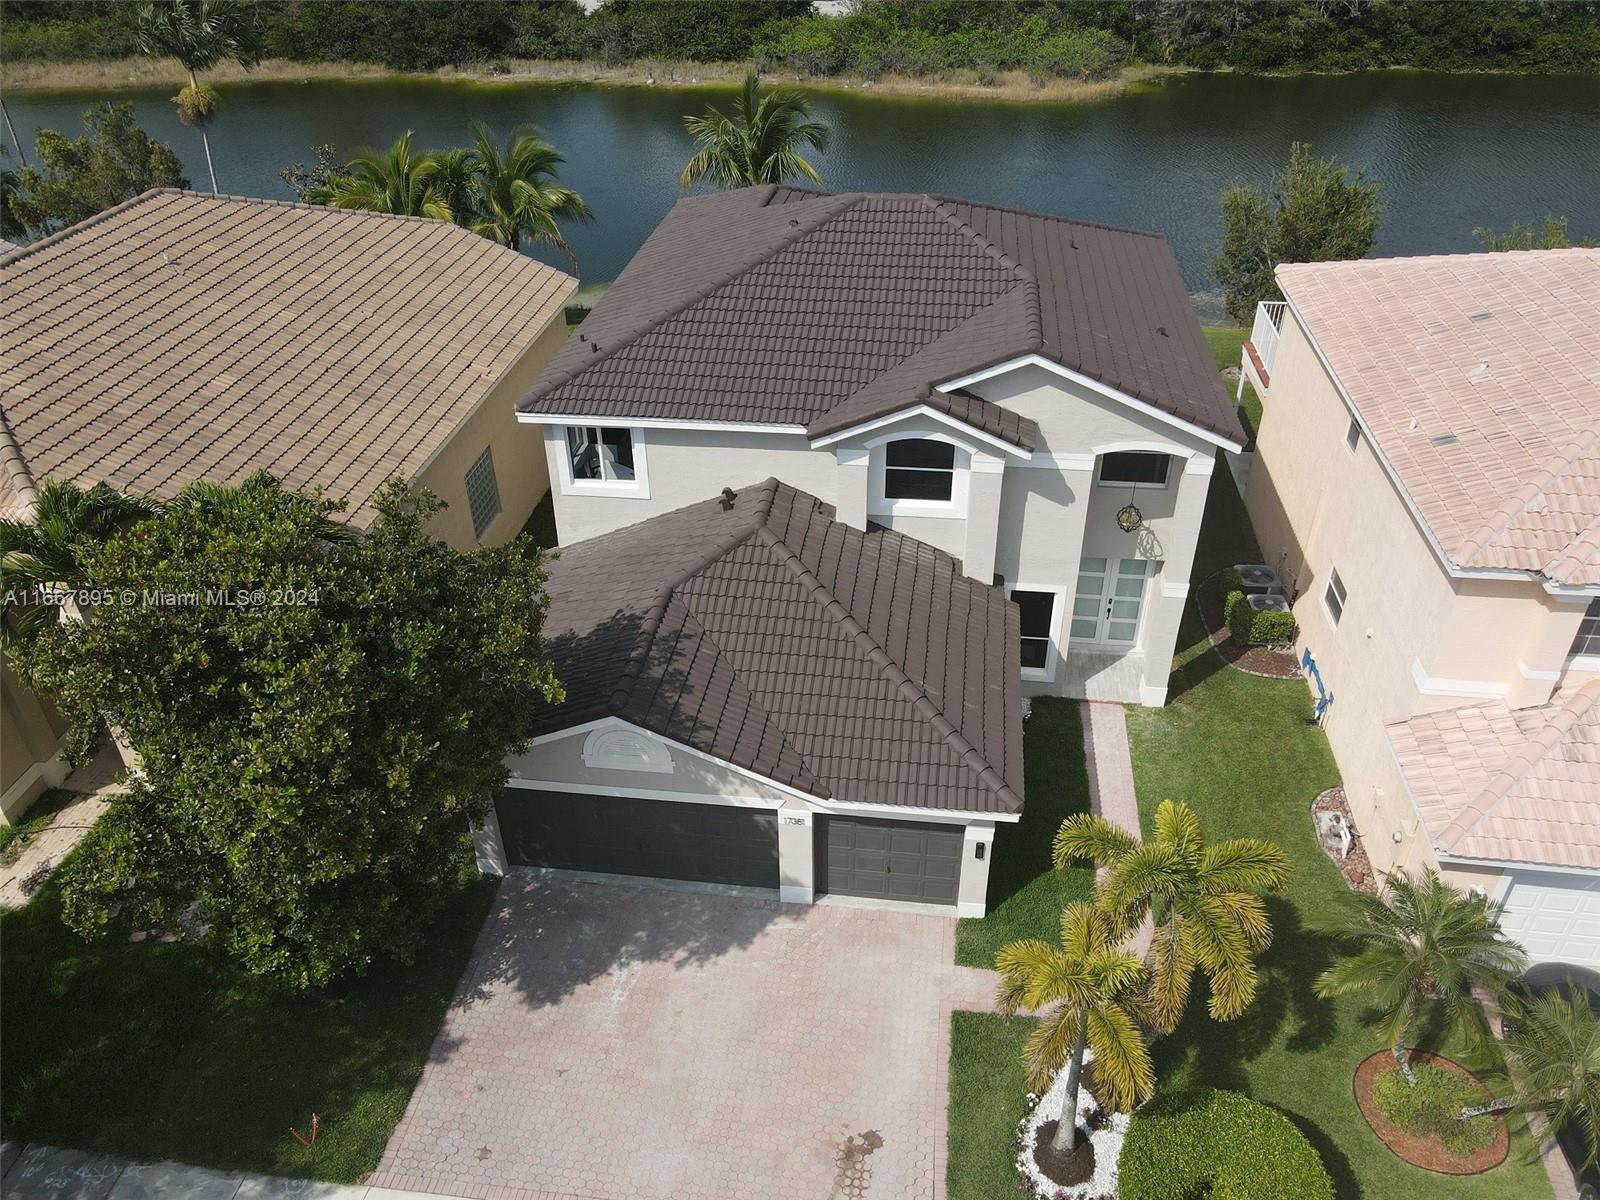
{"type": "Point", "coordinates": [1427, 477]}
{"type": "Point", "coordinates": [181, 336]}
{"type": "Point", "coordinates": [997, 384]}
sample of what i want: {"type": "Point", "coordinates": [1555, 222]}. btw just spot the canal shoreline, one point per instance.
{"type": "Point", "coordinates": [140, 73]}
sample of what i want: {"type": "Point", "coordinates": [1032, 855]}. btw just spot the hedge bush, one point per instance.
{"type": "Point", "coordinates": [1249, 627]}
{"type": "Point", "coordinates": [1218, 1145]}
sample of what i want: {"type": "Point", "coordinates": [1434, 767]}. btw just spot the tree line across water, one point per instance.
{"type": "Point", "coordinates": [1048, 38]}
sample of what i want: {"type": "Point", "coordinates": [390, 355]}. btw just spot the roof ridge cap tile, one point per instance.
{"type": "Point", "coordinates": [983, 243]}
{"type": "Point", "coordinates": [645, 638]}
{"type": "Point", "coordinates": [911, 691]}
{"type": "Point", "coordinates": [629, 337]}
{"type": "Point", "coordinates": [1528, 755]}
{"type": "Point", "coordinates": [15, 464]}
{"type": "Point", "coordinates": [1517, 503]}
{"type": "Point", "coordinates": [98, 218]}
{"type": "Point", "coordinates": [1044, 216]}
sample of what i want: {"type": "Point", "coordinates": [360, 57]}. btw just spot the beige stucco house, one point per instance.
{"type": "Point", "coordinates": [1427, 480]}
{"type": "Point", "coordinates": [182, 336]}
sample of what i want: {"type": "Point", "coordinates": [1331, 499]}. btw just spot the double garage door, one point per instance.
{"type": "Point", "coordinates": [1555, 917]}
{"type": "Point", "coordinates": [716, 843]}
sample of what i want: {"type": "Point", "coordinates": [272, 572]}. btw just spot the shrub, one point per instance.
{"type": "Point", "coordinates": [1252, 628]}
{"type": "Point", "coordinates": [1433, 1107]}
{"type": "Point", "coordinates": [1219, 1145]}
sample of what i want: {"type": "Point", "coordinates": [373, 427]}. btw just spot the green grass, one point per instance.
{"type": "Point", "coordinates": [1026, 895]}
{"type": "Point", "coordinates": [150, 1052]}
{"type": "Point", "coordinates": [1227, 343]}
{"type": "Point", "coordinates": [39, 815]}
{"type": "Point", "coordinates": [987, 1090]}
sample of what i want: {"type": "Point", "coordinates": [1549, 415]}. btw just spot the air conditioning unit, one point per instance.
{"type": "Point", "coordinates": [1259, 579]}
{"type": "Point", "coordinates": [1268, 603]}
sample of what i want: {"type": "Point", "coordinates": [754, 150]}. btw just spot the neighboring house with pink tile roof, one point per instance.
{"type": "Point", "coordinates": [1427, 478]}
{"type": "Point", "coordinates": [180, 336]}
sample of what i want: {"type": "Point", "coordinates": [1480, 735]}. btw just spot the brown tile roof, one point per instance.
{"type": "Point", "coordinates": [781, 306]}
{"type": "Point", "coordinates": [1509, 785]}
{"type": "Point", "coordinates": [856, 666]}
{"type": "Point", "coordinates": [1479, 377]}
{"type": "Point", "coordinates": [182, 336]}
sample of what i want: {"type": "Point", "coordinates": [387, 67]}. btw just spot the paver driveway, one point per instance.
{"type": "Point", "coordinates": [626, 1042]}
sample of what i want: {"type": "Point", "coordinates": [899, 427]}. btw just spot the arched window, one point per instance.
{"type": "Point", "coordinates": [626, 750]}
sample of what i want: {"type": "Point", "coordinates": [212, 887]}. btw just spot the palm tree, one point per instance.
{"type": "Point", "coordinates": [1205, 902]}
{"type": "Point", "coordinates": [1422, 941]}
{"type": "Point", "coordinates": [1093, 988]}
{"type": "Point", "coordinates": [452, 180]}
{"type": "Point", "coordinates": [515, 196]}
{"type": "Point", "coordinates": [199, 34]}
{"type": "Point", "coordinates": [760, 143]}
{"type": "Point", "coordinates": [204, 496]}
{"type": "Point", "coordinates": [394, 182]}
{"type": "Point", "coordinates": [47, 551]}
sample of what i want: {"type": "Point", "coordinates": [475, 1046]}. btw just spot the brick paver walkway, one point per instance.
{"type": "Point", "coordinates": [1111, 794]}
{"type": "Point", "coordinates": [625, 1042]}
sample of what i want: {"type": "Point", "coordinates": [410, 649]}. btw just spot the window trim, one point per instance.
{"type": "Point", "coordinates": [1047, 673]}
{"type": "Point", "coordinates": [947, 472]}
{"type": "Point", "coordinates": [486, 458]}
{"type": "Point", "coordinates": [1100, 466]}
{"type": "Point", "coordinates": [1335, 582]}
{"type": "Point", "coordinates": [1581, 648]}
{"type": "Point", "coordinates": [881, 505]}
{"type": "Point", "coordinates": [637, 488]}
{"type": "Point", "coordinates": [1352, 436]}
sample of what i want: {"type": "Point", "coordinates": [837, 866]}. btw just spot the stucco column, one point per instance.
{"type": "Point", "coordinates": [797, 861]}
{"type": "Point", "coordinates": [488, 845]}
{"type": "Point", "coordinates": [972, 895]}
{"type": "Point", "coordinates": [1170, 592]}
{"type": "Point", "coordinates": [984, 481]}
{"type": "Point", "coordinates": [850, 504]}
{"type": "Point", "coordinates": [1540, 668]}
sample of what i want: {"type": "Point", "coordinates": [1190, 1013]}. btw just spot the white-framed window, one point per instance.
{"type": "Point", "coordinates": [603, 459]}
{"type": "Point", "coordinates": [1352, 436]}
{"type": "Point", "coordinates": [1334, 597]}
{"type": "Point", "coordinates": [919, 469]}
{"type": "Point", "coordinates": [483, 492]}
{"type": "Point", "coordinates": [1135, 468]}
{"type": "Point", "coordinates": [626, 750]}
{"type": "Point", "coordinates": [1587, 643]}
{"type": "Point", "coordinates": [1040, 608]}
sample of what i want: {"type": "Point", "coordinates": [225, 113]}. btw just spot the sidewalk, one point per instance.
{"type": "Point", "coordinates": [44, 1173]}
{"type": "Point", "coordinates": [95, 782]}
{"type": "Point", "coordinates": [1111, 794]}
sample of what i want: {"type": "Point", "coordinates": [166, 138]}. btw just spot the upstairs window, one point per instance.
{"type": "Point", "coordinates": [600, 454]}
{"type": "Point", "coordinates": [1587, 643]}
{"type": "Point", "coordinates": [483, 493]}
{"type": "Point", "coordinates": [1335, 597]}
{"type": "Point", "coordinates": [919, 469]}
{"type": "Point", "coordinates": [1135, 468]}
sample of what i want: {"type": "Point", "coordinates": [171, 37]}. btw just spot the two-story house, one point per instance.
{"type": "Point", "coordinates": [1021, 400]}
{"type": "Point", "coordinates": [1427, 478]}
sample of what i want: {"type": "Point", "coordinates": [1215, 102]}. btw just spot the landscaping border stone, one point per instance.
{"type": "Point", "coordinates": [1420, 1151]}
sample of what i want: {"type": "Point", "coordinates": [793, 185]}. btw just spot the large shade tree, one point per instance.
{"type": "Point", "coordinates": [1088, 991]}
{"type": "Point", "coordinates": [759, 142]}
{"type": "Point", "coordinates": [1204, 900]}
{"type": "Point", "coordinates": [1315, 211]}
{"type": "Point", "coordinates": [1421, 943]}
{"type": "Point", "coordinates": [200, 34]}
{"type": "Point", "coordinates": [317, 720]}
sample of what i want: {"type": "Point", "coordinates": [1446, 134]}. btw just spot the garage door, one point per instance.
{"type": "Point", "coordinates": [889, 860]}
{"type": "Point", "coordinates": [1555, 917]}
{"type": "Point", "coordinates": [665, 839]}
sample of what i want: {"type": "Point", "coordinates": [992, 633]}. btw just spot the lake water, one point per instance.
{"type": "Point", "coordinates": [1452, 152]}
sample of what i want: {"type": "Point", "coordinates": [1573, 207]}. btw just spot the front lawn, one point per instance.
{"type": "Point", "coordinates": [1227, 343]}
{"type": "Point", "coordinates": [150, 1052]}
{"type": "Point", "coordinates": [1026, 895]}
{"type": "Point", "coordinates": [987, 1090]}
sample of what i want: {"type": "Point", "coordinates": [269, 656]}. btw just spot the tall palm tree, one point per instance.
{"type": "Point", "coordinates": [1423, 942]}
{"type": "Point", "coordinates": [199, 34]}
{"type": "Point", "coordinates": [1092, 988]}
{"type": "Point", "coordinates": [1205, 902]}
{"type": "Point", "coordinates": [47, 549]}
{"type": "Point", "coordinates": [395, 181]}
{"type": "Point", "coordinates": [759, 143]}
{"type": "Point", "coordinates": [515, 196]}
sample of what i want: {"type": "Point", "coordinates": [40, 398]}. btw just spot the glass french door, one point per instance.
{"type": "Point", "coordinates": [1108, 601]}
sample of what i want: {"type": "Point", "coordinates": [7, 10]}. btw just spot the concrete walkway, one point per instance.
{"type": "Point", "coordinates": [95, 783]}
{"type": "Point", "coordinates": [1111, 793]}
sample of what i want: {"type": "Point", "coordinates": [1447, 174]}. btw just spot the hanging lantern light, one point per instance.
{"type": "Point", "coordinates": [1129, 518]}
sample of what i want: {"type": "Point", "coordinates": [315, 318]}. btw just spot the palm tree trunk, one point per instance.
{"type": "Point", "coordinates": [205, 139]}
{"type": "Point", "coordinates": [1497, 1105]}
{"type": "Point", "coordinates": [1066, 1139]}
{"type": "Point", "coordinates": [1403, 1058]}
{"type": "Point", "coordinates": [22, 157]}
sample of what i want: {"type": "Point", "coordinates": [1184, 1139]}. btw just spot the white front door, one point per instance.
{"type": "Point", "coordinates": [1555, 916]}
{"type": "Point", "coordinates": [1109, 600]}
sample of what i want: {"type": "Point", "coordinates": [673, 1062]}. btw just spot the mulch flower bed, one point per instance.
{"type": "Point", "coordinates": [1264, 661]}
{"type": "Point", "coordinates": [1356, 867]}
{"type": "Point", "coordinates": [1414, 1148]}
{"type": "Point", "coordinates": [1071, 1167]}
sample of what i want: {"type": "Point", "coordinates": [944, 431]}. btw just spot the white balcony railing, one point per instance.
{"type": "Point", "coordinates": [1264, 336]}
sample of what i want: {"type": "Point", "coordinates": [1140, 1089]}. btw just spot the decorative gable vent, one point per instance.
{"type": "Point", "coordinates": [626, 750]}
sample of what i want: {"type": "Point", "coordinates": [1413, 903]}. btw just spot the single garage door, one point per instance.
{"type": "Point", "coordinates": [889, 860]}
{"type": "Point", "coordinates": [620, 835]}
{"type": "Point", "coordinates": [1555, 917]}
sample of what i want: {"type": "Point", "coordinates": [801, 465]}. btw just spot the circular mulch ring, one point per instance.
{"type": "Point", "coordinates": [1262, 661]}
{"type": "Point", "coordinates": [1413, 1148]}
{"type": "Point", "coordinates": [1356, 867]}
{"type": "Point", "coordinates": [1074, 1167]}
